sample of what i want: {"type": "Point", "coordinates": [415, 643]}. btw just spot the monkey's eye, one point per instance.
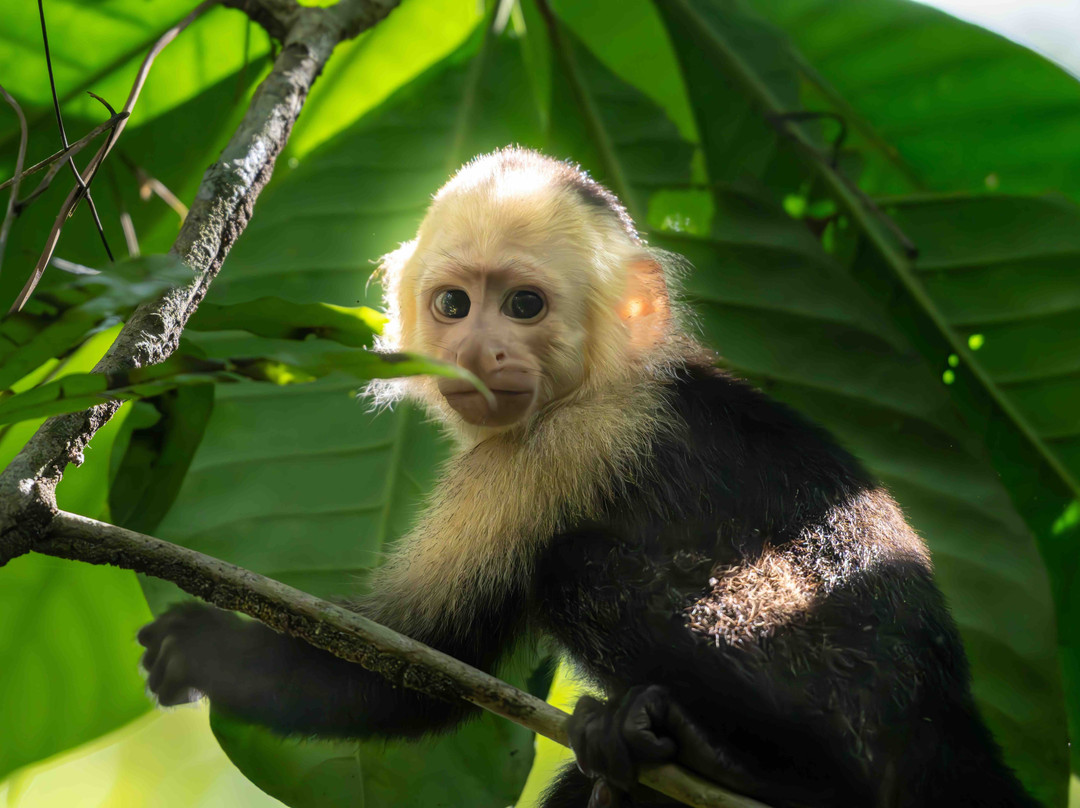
{"type": "Point", "coordinates": [524, 305]}
{"type": "Point", "coordinates": [452, 303]}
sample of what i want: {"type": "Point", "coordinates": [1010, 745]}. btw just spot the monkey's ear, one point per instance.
{"type": "Point", "coordinates": [644, 308]}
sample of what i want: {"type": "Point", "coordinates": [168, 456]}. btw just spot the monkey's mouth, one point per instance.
{"type": "Point", "coordinates": [500, 396]}
{"type": "Point", "coordinates": [510, 404]}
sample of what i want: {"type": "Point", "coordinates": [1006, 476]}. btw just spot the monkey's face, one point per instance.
{"type": "Point", "coordinates": [518, 278]}
{"type": "Point", "coordinates": [507, 324]}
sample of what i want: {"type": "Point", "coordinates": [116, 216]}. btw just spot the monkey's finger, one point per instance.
{"type": "Point", "coordinates": [589, 743]}
{"type": "Point", "coordinates": [582, 726]}
{"type": "Point", "coordinates": [159, 665]}
{"type": "Point", "coordinates": [151, 634]}
{"type": "Point", "coordinates": [644, 726]}
{"type": "Point", "coordinates": [604, 796]}
{"type": "Point", "coordinates": [173, 685]}
{"type": "Point", "coordinates": [149, 657]}
{"type": "Point", "coordinates": [169, 622]}
{"type": "Point", "coordinates": [618, 764]}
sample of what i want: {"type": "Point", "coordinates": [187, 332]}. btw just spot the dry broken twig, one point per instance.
{"type": "Point", "coordinates": [54, 162]}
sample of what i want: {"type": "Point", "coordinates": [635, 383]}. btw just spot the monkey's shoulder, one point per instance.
{"type": "Point", "coordinates": [737, 454]}
{"type": "Point", "coordinates": [748, 502]}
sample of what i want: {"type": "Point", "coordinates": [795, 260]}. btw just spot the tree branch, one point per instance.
{"type": "Point", "coordinates": [345, 634]}
{"type": "Point", "coordinates": [218, 215]}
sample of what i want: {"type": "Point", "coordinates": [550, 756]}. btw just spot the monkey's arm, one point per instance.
{"type": "Point", "coordinates": [248, 670]}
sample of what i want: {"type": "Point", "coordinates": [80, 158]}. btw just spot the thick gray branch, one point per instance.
{"type": "Point", "coordinates": [343, 633]}
{"type": "Point", "coordinates": [220, 212]}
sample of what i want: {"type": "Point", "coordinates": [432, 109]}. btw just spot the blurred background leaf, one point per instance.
{"type": "Point", "coordinates": [67, 631]}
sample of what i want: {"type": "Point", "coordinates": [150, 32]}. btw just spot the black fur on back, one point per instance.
{"type": "Point", "coordinates": [757, 571]}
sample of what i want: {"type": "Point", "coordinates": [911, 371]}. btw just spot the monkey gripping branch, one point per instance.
{"type": "Point", "coordinates": [31, 521]}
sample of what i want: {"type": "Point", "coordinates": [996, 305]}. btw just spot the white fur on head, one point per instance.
{"type": "Point", "coordinates": [517, 201]}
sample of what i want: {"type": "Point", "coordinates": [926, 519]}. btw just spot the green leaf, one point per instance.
{"type": "Point", "coordinates": [150, 467]}
{"type": "Point", "coordinates": [1002, 272]}
{"type": "Point", "coordinates": [275, 317]}
{"type": "Point", "coordinates": [230, 359]}
{"type": "Point", "coordinates": [70, 669]}
{"type": "Point", "coordinates": [121, 32]}
{"type": "Point", "coordinates": [58, 320]}
{"type": "Point", "coordinates": [614, 31]}
{"type": "Point", "coordinates": [784, 314]}
{"type": "Point", "coordinates": [457, 769]}
{"type": "Point", "coordinates": [79, 391]}
{"type": "Point", "coordinates": [941, 104]}
{"type": "Point", "coordinates": [611, 128]}
{"type": "Point", "coordinates": [70, 666]}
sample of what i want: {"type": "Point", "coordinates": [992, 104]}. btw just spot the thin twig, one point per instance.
{"type": "Point", "coordinates": [73, 149]}
{"type": "Point", "coordinates": [83, 186]}
{"type": "Point", "coordinates": [345, 634]}
{"type": "Point", "coordinates": [149, 185]}
{"type": "Point", "coordinates": [70, 266]}
{"type": "Point", "coordinates": [20, 158]}
{"type": "Point", "coordinates": [95, 162]}
{"type": "Point", "coordinates": [126, 224]}
{"type": "Point", "coordinates": [57, 161]}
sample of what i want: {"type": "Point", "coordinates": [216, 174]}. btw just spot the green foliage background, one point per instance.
{"type": "Point", "coordinates": [956, 376]}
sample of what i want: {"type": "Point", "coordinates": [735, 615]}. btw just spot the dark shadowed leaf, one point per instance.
{"type": "Point", "coordinates": [855, 364]}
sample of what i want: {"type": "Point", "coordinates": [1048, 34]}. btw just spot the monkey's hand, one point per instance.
{"type": "Point", "coordinates": [194, 650]}
{"type": "Point", "coordinates": [613, 740]}
{"type": "Point", "coordinates": [647, 727]}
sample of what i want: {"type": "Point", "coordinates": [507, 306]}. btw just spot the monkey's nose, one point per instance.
{"type": "Point", "coordinates": [482, 355]}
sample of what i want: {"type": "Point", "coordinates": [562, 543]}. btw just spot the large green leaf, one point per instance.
{"type": "Point", "coordinates": [69, 669]}
{"type": "Point", "coordinates": [614, 31]}
{"type": "Point", "coordinates": [99, 47]}
{"type": "Point", "coordinates": [151, 457]}
{"type": "Point", "coordinates": [1003, 272]}
{"type": "Point", "coordinates": [456, 769]}
{"type": "Point", "coordinates": [942, 104]}
{"type": "Point", "coordinates": [794, 321]}
{"type": "Point", "coordinates": [611, 128]}
{"type": "Point", "coordinates": [222, 358]}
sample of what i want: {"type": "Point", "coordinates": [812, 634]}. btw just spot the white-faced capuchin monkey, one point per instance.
{"type": "Point", "coordinates": [749, 600]}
